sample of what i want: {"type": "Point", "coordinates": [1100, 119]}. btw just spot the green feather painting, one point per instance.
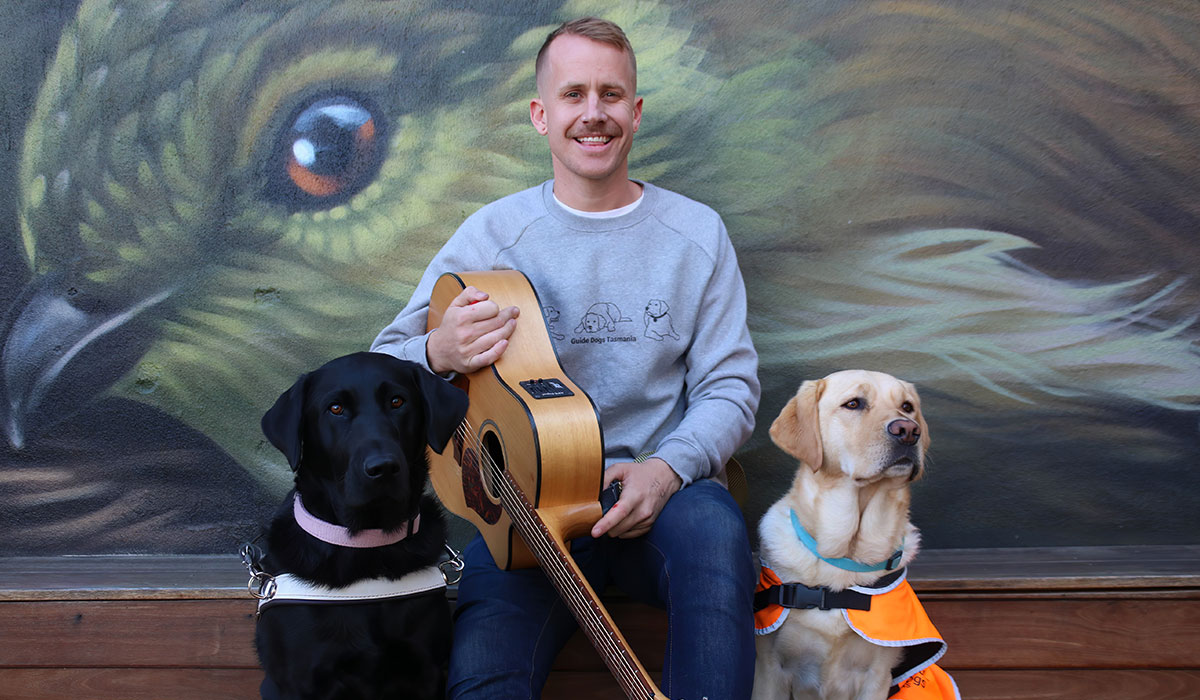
{"type": "Point", "coordinates": [997, 201]}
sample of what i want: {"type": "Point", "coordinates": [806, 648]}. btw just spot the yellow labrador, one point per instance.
{"type": "Point", "coordinates": [861, 440]}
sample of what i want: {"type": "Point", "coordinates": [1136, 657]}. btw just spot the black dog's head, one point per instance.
{"type": "Point", "coordinates": [355, 432]}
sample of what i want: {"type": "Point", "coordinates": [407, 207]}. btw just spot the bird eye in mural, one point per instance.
{"type": "Point", "coordinates": [331, 151]}
{"type": "Point", "coordinates": [995, 201]}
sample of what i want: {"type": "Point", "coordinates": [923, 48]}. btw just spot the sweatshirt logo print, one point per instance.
{"type": "Point", "coordinates": [551, 315]}
{"type": "Point", "coordinates": [658, 321]}
{"type": "Point", "coordinates": [601, 316]}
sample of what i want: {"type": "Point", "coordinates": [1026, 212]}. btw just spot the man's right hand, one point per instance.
{"type": "Point", "coordinates": [473, 334]}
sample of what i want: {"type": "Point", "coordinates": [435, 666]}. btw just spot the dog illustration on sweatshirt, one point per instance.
{"type": "Point", "coordinates": [601, 316]}
{"type": "Point", "coordinates": [658, 321]}
{"type": "Point", "coordinates": [551, 315]}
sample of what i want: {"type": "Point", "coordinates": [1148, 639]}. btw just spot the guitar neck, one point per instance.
{"type": "Point", "coordinates": [578, 594]}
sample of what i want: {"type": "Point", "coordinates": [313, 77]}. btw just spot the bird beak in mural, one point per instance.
{"type": "Point", "coordinates": [58, 354]}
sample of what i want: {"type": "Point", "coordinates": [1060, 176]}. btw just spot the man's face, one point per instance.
{"type": "Point", "coordinates": [588, 109]}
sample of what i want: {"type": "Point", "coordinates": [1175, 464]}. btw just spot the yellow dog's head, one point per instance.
{"type": "Point", "coordinates": [861, 424]}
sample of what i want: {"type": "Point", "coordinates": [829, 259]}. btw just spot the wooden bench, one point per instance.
{"type": "Point", "coordinates": [1094, 622]}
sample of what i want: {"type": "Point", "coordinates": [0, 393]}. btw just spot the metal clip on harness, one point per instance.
{"type": "Point", "coordinates": [452, 567]}
{"type": "Point", "coordinates": [261, 584]}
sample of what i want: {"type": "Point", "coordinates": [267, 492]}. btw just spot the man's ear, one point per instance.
{"type": "Point", "coordinates": [282, 423]}
{"type": "Point", "coordinates": [537, 115]}
{"type": "Point", "coordinates": [797, 430]}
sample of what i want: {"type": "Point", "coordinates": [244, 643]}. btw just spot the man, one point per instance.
{"type": "Point", "coordinates": [649, 283]}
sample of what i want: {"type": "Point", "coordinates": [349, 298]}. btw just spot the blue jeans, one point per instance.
{"type": "Point", "coordinates": [695, 562]}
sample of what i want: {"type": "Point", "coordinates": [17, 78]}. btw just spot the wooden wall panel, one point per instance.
{"type": "Point", "coordinates": [1053, 625]}
{"type": "Point", "coordinates": [1068, 633]}
{"type": "Point", "coordinates": [129, 683]}
{"type": "Point", "coordinates": [1012, 631]}
{"type": "Point", "coordinates": [1077, 684]}
{"type": "Point", "coordinates": [242, 684]}
{"type": "Point", "coordinates": [180, 633]}
{"type": "Point", "coordinates": [996, 632]}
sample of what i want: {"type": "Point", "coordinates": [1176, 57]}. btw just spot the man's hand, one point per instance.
{"type": "Point", "coordinates": [645, 489]}
{"type": "Point", "coordinates": [473, 334]}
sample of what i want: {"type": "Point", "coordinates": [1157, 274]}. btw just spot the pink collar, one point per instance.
{"type": "Point", "coordinates": [336, 534]}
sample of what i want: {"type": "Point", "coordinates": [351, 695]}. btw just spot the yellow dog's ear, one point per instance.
{"type": "Point", "coordinates": [797, 430]}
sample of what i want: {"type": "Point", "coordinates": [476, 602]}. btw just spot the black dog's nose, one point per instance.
{"type": "Point", "coordinates": [904, 431]}
{"type": "Point", "coordinates": [380, 465]}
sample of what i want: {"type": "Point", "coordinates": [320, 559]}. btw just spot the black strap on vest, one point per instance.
{"type": "Point", "coordinates": [795, 595]}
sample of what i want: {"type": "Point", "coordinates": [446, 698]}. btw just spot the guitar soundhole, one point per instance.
{"type": "Point", "coordinates": [494, 464]}
{"type": "Point", "coordinates": [479, 464]}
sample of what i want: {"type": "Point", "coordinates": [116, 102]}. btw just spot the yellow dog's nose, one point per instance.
{"type": "Point", "coordinates": [904, 431]}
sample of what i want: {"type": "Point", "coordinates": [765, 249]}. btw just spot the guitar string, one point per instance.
{"type": "Point", "coordinates": [627, 672]}
{"type": "Point", "coordinates": [601, 634]}
{"type": "Point", "coordinates": [629, 676]}
{"type": "Point", "coordinates": [500, 483]}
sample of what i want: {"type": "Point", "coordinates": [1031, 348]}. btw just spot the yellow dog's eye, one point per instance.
{"type": "Point", "coordinates": [853, 404]}
{"type": "Point", "coordinates": [907, 407]}
{"type": "Point", "coordinates": [336, 409]}
{"type": "Point", "coordinates": [397, 402]}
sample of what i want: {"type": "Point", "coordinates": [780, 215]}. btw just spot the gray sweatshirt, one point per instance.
{"type": "Point", "coordinates": [647, 312]}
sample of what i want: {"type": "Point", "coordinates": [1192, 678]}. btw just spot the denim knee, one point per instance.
{"type": "Point", "coordinates": [704, 532]}
{"type": "Point", "coordinates": [508, 627]}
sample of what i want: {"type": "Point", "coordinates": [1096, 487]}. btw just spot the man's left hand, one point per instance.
{"type": "Point", "coordinates": [645, 489]}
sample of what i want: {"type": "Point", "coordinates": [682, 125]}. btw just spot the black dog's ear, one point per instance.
{"type": "Point", "coordinates": [281, 424]}
{"type": "Point", "coordinates": [445, 408]}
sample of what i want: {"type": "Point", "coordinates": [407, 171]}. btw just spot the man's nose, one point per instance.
{"type": "Point", "coordinates": [594, 110]}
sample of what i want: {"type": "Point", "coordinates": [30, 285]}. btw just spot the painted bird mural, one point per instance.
{"type": "Point", "coordinates": [995, 201]}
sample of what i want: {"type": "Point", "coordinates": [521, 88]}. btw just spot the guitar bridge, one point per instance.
{"type": "Point", "coordinates": [546, 388]}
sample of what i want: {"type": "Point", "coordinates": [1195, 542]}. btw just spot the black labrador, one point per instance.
{"type": "Point", "coordinates": [355, 432]}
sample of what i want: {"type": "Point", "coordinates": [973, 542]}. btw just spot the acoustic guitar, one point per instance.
{"type": "Point", "coordinates": [527, 463]}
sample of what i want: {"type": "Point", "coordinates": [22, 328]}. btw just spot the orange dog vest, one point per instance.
{"type": "Point", "coordinates": [896, 619]}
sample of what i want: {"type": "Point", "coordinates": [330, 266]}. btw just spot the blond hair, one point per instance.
{"type": "Point", "coordinates": [593, 28]}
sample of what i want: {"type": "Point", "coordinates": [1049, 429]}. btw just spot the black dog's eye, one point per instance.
{"type": "Point", "coordinates": [907, 407]}
{"type": "Point", "coordinates": [397, 402]}
{"type": "Point", "coordinates": [853, 404]}
{"type": "Point", "coordinates": [336, 409]}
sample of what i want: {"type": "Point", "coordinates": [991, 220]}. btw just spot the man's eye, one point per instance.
{"type": "Point", "coordinates": [336, 409]}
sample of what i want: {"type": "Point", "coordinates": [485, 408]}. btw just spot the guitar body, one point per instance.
{"type": "Point", "coordinates": [527, 464]}
{"type": "Point", "coordinates": [552, 447]}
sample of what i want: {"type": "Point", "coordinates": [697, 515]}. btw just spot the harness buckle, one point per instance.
{"type": "Point", "coordinates": [795, 595]}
